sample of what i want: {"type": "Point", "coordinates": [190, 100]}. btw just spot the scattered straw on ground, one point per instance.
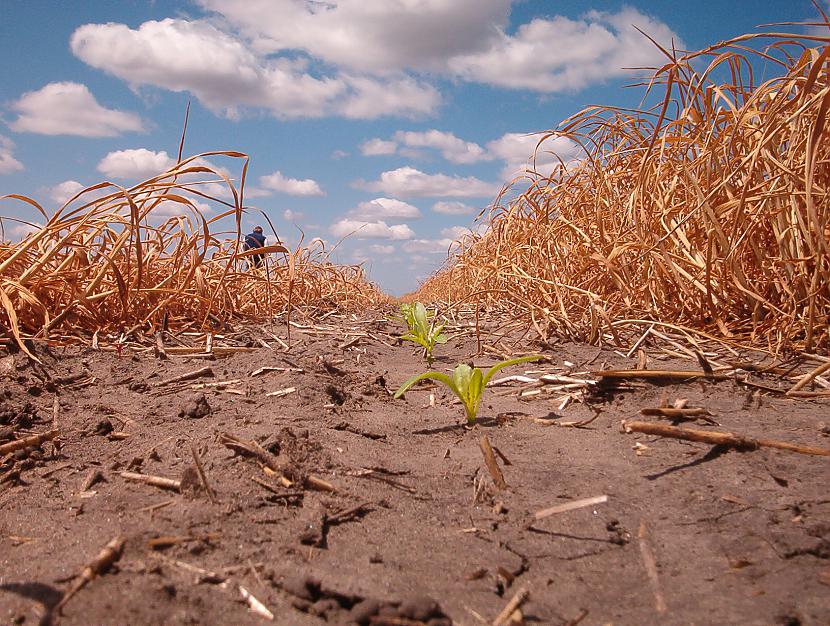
{"type": "Point", "coordinates": [115, 258]}
{"type": "Point", "coordinates": [708, 213]}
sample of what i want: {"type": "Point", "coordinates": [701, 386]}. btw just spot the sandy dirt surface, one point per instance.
{"type": "Point", "coordinates": [415, 531]}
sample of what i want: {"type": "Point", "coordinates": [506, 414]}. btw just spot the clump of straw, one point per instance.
{"type": "Point", "coordinates": [113, 258]}
{"type": "Point", "coordinates": [707, 213]}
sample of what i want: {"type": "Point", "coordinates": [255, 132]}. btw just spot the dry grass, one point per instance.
{"type": "Point", "coordinates": [112, 259]}
{"type": "Point", "coordinates": [707, 213]}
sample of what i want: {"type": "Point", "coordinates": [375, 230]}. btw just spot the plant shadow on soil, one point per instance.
{"type": "Point", "coordinates": [415, 529]}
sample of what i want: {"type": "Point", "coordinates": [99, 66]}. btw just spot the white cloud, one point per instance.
{"type": "Point", "coordinates": [409, 143]}
{"type": "Point", "coordinates": [456, 232]}
{"type": "Point", "coordinates": [517, 152]}
{"type": "Point", "coordinates": [378, 147]}
{"type": "Point", "coordinates": [465, 39]}
{"type": "Point", "coordinates": [339, 154]}
{"type": "Point", "coordinates": [369, 98]}
{"type": "Point", "coordinates": [370, 230]}
{"type": "Point", "coordinates": [61, 193]}
{"type": "Point", "coordinates": [451, 147]}
{"type": "Point", "coordinates": [384, 208]}
{"type": "Point", "coordinates": [515, 149]}
{"type": "Point", "coordinates": [227, 76]}
{"type": "Point", "coordinates": [562, 54]}
{"type": "Point", "coordinates": [135, 164]}
{"type": "Point", "coordinates": [70, 109]}
{"type": "Point", "coordinates": [382, 249]}
{"type": "Point", "coordinates": [168, 208]}
{"type": "Point", "coordinates": [374, 36]}
{"type": "Point", "coordinates": [292, 186]}
{"type": "Point", "coordinates": [17, 231]}
{"type": "Point", "coordinates": [8, 163]}
{"type": "Point", "coordinates": [453, 208]}
{"type": "Point", "coordinates": [407, 182]}
{"type": "Point", "coordinates": [292, 216]}
{"type": "Point", "coordinates": [429, 246]}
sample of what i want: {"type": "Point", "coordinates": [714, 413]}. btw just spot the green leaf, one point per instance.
{"type": "Point", "coordinates": [439, 376]}
{"type": "Point", "coordinates": [420, 314]}
{"type": "Point", "coordinates": [415, 338]}
{"type": "Point", "coordinates": [461, 376]}
{"type": "Point", "coordinates": [474, 393]}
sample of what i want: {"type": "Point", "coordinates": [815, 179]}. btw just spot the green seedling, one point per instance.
{"type": "Point", "coordinates": [422, 329]}
{"type": "Point", "coordinates": [466, 382]}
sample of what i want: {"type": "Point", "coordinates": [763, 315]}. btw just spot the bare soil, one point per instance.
{"type": "Point", "coordinates": [416, 530]}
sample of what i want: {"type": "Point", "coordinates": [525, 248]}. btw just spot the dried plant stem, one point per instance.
{"type": "Point", "coordinates": [156, 481]}
{"type": "Point", "coordinates": [727, 439]}
{"type": "Point", "coordinates": [28, 442]}
{"type": "Point", "coordinates": [100, 564]}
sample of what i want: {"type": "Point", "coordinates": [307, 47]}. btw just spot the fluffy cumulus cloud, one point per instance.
{"type": "Point", "coordinates": [468, 39]}
{"type": "Point", "coordinates": [227, 76]}
{"type": "Point", "coordinates": [18, 230]}
{"type": "Point", "coordinates": [365, 58]}
{"type": "Point", "coordinates": [135, 164]}
{"type": "Point", "coordinates": [456, 232]}
{"type": "Point", "coordinates": [292, 186]}
{"type": "Point", "coordinates": [382, 249]}
{"type": "Point", "coordinates": [8, 163]}
{"type": "Point", "coordinates": [520, 152]}
{"type": "Point", "coordinates": [384, 209]}
{"type": "Point", "coordinates": [562, 54]}
{"type": "Point", "coordinates": [61, 193]}
{"type": "Point", "coordinates": [429, 246]}
{"type": "Point", "coordinates": [378, 147]}
{"type": "Point", "coordinates": [169, 208]}
{"type": "Point", "coordinates": [370, 230]}
{"type": "Point", "coordinates": [69, 109]}
{"type": "Point", "coordinates": [408, 182]}
{"type": "Point", "coordinates": [451, 147]}
{"type": "Point", "coordinates": [292, 216]}
{"type": "Point", "coordinates": [408, 143]}
{"type": "Point", "coordinates": [371, 36]}
{"type": "Point", "coordinates": [453, 208]}
{"type": "Point", "coordinates": [524, 152]}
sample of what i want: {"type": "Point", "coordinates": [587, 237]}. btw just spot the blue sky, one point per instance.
{"type": "Point", "coordinates": [398, 119]}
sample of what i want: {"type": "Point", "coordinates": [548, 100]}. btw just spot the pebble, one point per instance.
{"type": "Point", "coordinates": [195, 408]}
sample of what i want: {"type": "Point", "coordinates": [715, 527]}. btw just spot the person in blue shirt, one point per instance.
{"type": "Point", "coordinates": [253, 241]}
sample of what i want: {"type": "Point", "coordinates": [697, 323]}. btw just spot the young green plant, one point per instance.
{"type": "Point", "coordinates": [466, 382]}
{"type": "Point", "coordinates": [422, 329]}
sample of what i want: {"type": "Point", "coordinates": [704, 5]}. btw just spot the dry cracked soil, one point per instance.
{"type": "Point", "coordinates": [331, 502]}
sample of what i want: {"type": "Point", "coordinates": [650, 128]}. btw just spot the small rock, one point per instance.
{"type": "Point", "coordinates": [304, 587]}
{"type": "Point", "coordinates": [325, 607]}
{"type": "Point", "coordinates": [363, 610]}
{"type": "Point", "coordinates": [314, 528]}
{"type": "Point", "coordinates": [191, 484]}
{"type": "Point", "coordinates": [195, 408]}
{"type": "Point", "coordinates": [419, 608]}
{"type": "Point", "coordinates": [138, 386]}
{"type": "Point", "coordinates": [104, 427]}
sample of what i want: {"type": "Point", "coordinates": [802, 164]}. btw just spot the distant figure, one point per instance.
{"type": "Point", "coordinates": [253, 241]}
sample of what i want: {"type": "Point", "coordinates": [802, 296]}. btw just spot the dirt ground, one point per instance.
{"type": "Point", "coordinates": [415, 530]}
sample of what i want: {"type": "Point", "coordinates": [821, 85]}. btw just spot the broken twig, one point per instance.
{"type": "Point", "coordinates": [155, 481]}
{"type": "Point", "coordinates": [570, 506]}
{"type": "Point", "coordinates": [28, 442]}
{"type": "Point", "coordinates": [731, 440]}
{"type": "Point", "coordinates": [99, 565]}
{"type": "Point", "coordinates": [492, 464]}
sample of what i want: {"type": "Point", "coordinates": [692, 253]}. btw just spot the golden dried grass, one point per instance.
{"type": "Point", "coordinates": [707, 213]}
{"type": "Point", "coordinates": [113, 258]}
